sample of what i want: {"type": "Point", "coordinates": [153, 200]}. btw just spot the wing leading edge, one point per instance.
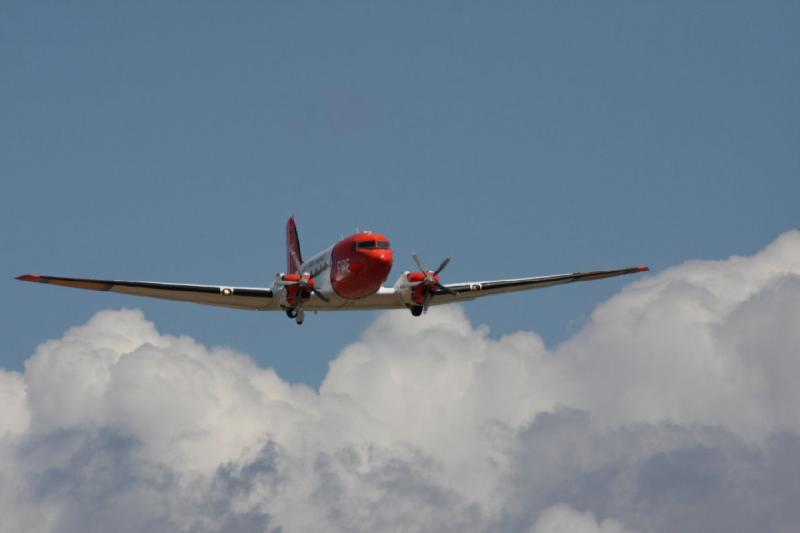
{"type": "Point", "coordinates": [252, 298]}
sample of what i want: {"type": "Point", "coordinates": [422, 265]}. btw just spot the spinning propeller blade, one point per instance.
{"type": "Point", "coordinates": [430, 284]}
{"type": "Point", "coordinates": [441, 267]}
{"type": "Point", "coordinates": [321, 296]}
{"type": "Point", "coordinates": [446, 290]}
{"type": "Point", "coordinates": [418, 262]}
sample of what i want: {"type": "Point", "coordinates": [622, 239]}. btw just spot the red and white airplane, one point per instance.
{"type": "Point", "coordinates": [346, 276]}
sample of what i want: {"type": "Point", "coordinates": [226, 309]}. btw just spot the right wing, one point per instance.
{"type": "Point", "coordinates": [477, 289]}
{"type": "Point", "coordinates": [389, 298]}
{"type": "Point", "coordinates": [237, 297]}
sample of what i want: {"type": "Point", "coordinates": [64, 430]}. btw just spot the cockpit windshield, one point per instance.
{"type": "Point", "coordinates": [372, 245]}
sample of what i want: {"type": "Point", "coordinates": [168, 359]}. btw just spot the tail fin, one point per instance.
{"type": "Point", "coordinates": [292, 245]}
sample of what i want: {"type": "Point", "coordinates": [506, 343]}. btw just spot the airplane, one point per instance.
{"type": "Point", "coordinates": [348, 275]}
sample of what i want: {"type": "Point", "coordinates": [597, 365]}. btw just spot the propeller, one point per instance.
{"type": "Point", "coordinates": [305, 282]}
{"type": "Point", "coordinates": [430, 283]}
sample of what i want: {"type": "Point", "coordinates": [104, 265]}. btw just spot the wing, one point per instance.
{"type": "Point", "coordinates": [220, 295]}
{"type": "Point", "coordinates": [469, 291]}
{"type": "Point", "coordinates": [391, 297]}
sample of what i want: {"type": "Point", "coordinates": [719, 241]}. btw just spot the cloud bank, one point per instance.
{"type": "Point", "coordinates": [675, 408]}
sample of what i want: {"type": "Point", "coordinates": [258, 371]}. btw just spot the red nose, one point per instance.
{"type": "Point", "coordinates": [368, 269]}
{"type": "Point", "coordinates": [377, 265]}
{"type": "Point", "coordinates": [361, 263]}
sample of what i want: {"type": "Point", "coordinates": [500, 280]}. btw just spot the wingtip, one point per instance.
{"type": "Point", "coordinates": [642, 268]}
{"type": "Point", "coordinates": [29, 277]}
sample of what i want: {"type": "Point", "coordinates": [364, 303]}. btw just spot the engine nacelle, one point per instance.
{"type": "Point", "coordinates": [294, 288]}
{"type": "Point", "coordinates": [417, 289]}
{"type": "Point", "coordinates": [417, 282]}
{"type": "Point", "coordinates": [411, 287]}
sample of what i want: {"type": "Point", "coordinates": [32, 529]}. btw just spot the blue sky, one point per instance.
{"type": "Point", "coordinates": [171, 142]}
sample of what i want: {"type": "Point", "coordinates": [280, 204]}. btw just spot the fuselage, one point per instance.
{"type": "Point", "coordinates": [351, 269]}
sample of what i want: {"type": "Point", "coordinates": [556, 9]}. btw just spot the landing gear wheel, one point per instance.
{"type": "Point", "coordinates": [291, 312]}
{"type": "Point", "coordinates": [300, 317]}
{"type": "Point", "coordinates": [416, 310]}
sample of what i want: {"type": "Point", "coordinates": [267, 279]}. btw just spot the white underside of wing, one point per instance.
{"type": "Point", "coordinates": [219, 299]}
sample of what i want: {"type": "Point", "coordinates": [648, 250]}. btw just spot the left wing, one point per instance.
{"type": "Point", "coordinates": [225, 296]}
{"type": "Point", "coordinates": [469, 291]}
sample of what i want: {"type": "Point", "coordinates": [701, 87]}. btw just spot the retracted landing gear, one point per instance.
{"type": "Point", "coordinates": [298, 314]}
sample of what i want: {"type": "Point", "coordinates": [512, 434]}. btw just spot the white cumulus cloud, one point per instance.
{"type": "Point", "coordinates": [563, 519]}
{"type": "Point", "coordinates": [672, 409]}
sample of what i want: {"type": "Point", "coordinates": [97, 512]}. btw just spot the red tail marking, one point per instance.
{"type": "Point", "coordinates": [292, 245]}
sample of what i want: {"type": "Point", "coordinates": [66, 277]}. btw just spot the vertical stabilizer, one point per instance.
{"type": "Point", "coordinates": [292, 245]}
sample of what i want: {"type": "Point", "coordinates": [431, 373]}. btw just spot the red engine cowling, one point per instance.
{"type": "Point", "coordinates": [295, 290]}
{"type": "Point", "coordinates": [419, 291]}
{"type": "Point", "coordinates": [426, 285]}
